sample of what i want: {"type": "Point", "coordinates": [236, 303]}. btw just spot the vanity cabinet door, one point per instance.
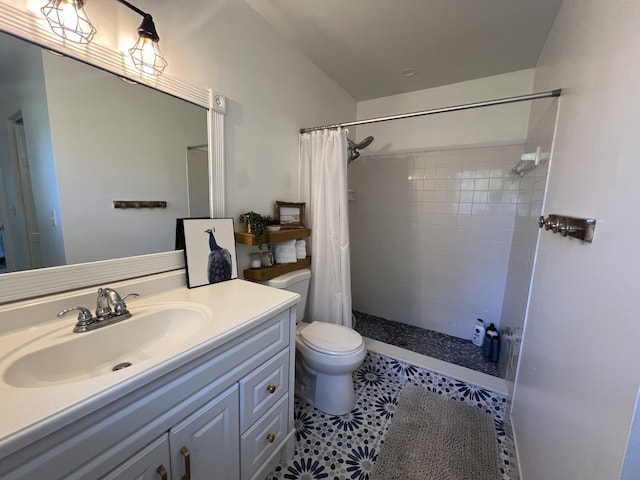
{"type": "Point", "coordinates": [150, 463]}
{"type": "Point", "coordinates": [206, 444]}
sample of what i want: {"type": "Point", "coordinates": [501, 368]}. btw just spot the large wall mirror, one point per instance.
{"type": "Point", "coordinates": [74, 138]}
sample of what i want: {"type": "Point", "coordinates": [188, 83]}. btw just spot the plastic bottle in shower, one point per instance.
{"type": "Point", "coordinates": [478, 333]}
{"type": "Point", "coordinates": [488, 345]}
{"type": "Point", "coordinates": [495, 348]}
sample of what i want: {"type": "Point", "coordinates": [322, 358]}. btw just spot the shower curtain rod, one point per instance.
{"type": "Point", "coordinates": [488, 103]}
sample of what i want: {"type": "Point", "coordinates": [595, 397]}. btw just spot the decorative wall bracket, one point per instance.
{"type": "Point", "coordinates": [581, 228]}
{"type": "Point", "coordinates": [139, 204]}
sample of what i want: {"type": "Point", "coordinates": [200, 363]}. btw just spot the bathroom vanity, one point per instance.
{"type": "Point", "coordinates": [208, 394]}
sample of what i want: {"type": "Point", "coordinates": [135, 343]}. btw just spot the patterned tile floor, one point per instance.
{"type": "Point", "coordinates": [346, 447]}
{"type": "Point", "coordinates": [426, 342]}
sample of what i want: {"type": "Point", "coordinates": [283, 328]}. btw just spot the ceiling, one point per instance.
{"type": "Point", "coordinates": [365, 45]}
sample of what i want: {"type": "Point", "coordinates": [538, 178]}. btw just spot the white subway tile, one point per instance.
{"type": "Point", "coordinates": [481, 184]}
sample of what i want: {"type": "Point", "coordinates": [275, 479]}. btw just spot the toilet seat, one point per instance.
{"type": "Point", "coordinates": [330, 338]}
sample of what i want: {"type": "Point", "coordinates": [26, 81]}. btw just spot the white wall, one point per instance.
{"type": "Point", "coordinates": [432, 219]}
{"type": "Point", "coordinates": [578, 376]}
{"type": "Point", "coordinates": [505, 124]}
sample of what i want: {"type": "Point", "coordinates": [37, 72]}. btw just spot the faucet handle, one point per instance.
{"type": "Point", "coordinates": [130, 295]}
{"type": "Point", "coordinates": [84, 314]}
{"type": "Point", "coordinates": [84, 318]}
{"type": "Point", "coordinates": [120, 308]}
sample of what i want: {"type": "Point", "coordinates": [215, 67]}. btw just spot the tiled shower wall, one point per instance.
{"type": "Point", "coordinates": [431, 233]}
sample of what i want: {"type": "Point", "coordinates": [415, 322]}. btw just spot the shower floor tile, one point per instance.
{"type": "Point", "coordinates": [340, 447]}
{"type": "Point", "coordinates": [425, 342]}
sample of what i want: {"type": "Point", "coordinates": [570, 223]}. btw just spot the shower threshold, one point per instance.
{"type": "Point", "coordinates": [425, 342]}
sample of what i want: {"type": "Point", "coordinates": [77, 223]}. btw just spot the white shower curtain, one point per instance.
{"type": "Point", "coordinates": [323, 187]}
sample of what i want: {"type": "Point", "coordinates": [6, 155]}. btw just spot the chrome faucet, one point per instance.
{"type": "Point", "coordinates": [105, 315]}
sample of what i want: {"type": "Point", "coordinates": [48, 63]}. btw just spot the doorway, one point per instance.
{"type": "Point", "coordinates": [198, 180]}
{"type": "Point", "coordinates": [20, 234]}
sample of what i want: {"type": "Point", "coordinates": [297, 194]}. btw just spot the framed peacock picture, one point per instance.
{"type": "Point", "coordinates": [209, 249]}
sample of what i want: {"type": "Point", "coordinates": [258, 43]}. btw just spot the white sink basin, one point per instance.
{"type": "Point", "coordinates": [154, 332]}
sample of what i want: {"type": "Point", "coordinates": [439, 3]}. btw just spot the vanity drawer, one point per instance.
{"type": "Point", "coordinates": [263, 438]}
{"type": "Point", "coordinates": [260, 390]}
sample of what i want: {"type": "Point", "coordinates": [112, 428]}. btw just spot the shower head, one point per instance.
{"type": "Point", "coordinates": [364, 143]}
{"type": "Point", "coordinates": [352, 149]}
{"type": "Point", "coordinates": [529, 161]}
{"type": "Point", "coordinates": [523, 167]}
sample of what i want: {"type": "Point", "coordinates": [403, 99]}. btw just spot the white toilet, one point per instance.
{"type": "Point", "coordinates": [327, 354]}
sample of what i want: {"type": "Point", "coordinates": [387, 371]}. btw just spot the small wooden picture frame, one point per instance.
{"type": "Point", "coordinates": [290, 215]}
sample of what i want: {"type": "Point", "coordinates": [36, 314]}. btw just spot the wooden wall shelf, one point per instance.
{"type": "Point", "coordinates": [267, 273]}
{"type": "Point", "coordinates": [279, 236]}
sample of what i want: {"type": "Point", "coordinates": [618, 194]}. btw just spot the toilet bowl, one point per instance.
{"type": "Point", "coordinates": [327, 354]}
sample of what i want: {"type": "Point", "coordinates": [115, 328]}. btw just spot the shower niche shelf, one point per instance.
{"type": "Point", "coordinates": [267, 273]}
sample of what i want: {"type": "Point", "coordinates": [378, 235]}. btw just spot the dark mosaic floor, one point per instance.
{"type": "Point", "coordinates": [426, 342]}
{"type": "Point", "coordinates": [346, 447]}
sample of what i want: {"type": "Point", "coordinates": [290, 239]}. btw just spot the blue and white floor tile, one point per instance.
{"type": "Point", "coordinates": [346, 447]}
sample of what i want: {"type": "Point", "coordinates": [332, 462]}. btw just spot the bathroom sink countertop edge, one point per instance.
{"type": "Point", "coordinates": [234, 307]}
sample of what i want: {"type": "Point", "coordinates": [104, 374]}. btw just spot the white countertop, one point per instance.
{"type": "Point", "coordinates": [26, 414]}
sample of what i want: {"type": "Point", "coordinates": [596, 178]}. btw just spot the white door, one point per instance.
{"type": "Point", "coordinates": [29, 208]}
{"type": "Point", "coordinates": [17, 208]}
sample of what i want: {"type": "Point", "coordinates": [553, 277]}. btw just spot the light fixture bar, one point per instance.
{"type": "Point", "coordinates": [133, 7]}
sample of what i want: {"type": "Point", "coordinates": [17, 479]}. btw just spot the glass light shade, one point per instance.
{"type": "Point", "coordinates": [68, 19]}
{"type": "Point", "coordinates": [147, 57]}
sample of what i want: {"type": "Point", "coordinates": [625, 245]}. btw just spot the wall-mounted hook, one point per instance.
{"type": "Point", "coordinates": [581, 228]}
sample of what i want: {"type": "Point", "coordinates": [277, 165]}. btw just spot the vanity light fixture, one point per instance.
{"type": "Point", "coordinates": [146, 53]}
{"type": "Point", "coordinates": [68, 19]}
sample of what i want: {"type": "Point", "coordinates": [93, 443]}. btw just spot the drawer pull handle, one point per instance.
{"type": "Point", "coordinates": [162, 472]}
{"type": "Point", "coordinates": [271, 388]}
{"type": "Point", "coordinates": [187, 463]}
{"type": "Point", "coordinates": [271, 438]}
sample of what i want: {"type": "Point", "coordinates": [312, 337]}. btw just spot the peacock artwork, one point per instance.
{"type": "Point", "coordinates": [210, 250]}
{"type": "Point", "coordinates": [219, 262]}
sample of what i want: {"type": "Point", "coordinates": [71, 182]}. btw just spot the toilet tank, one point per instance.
{"type": "Point", "coordinates": [296, 281]}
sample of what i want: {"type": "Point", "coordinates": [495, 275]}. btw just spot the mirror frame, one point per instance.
{"type": "Point", "coordinates": [45, 281]}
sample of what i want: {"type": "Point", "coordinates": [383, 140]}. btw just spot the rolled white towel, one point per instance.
{"type": "Point", "coordinates": [285, 252]}
{"type": "Point", "coordinates": [301, 249]}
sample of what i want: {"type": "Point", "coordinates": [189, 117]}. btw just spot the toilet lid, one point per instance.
{"type": "Point", "coordinates": [330, 338]}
